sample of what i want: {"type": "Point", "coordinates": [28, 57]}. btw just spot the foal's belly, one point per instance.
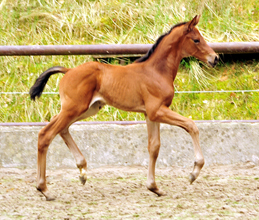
{"type": "Point", "coordinates": [123, 93]}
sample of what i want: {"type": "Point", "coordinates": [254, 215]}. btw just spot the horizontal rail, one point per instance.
{"type": "Point", "coordinates": [115, 49]}
{"type": "Point", "coordinates": [120, 122]}
{"type": "Point", "coordinates": [235, 47]}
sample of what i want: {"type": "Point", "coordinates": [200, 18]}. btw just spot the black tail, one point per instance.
{"type": "Point", "coordinates": [37, 88]}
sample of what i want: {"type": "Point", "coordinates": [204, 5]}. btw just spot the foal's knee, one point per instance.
{"type": "Point", "coordinates": [63, 132]}
{"type": "Point", "coordinates": [191, 128]}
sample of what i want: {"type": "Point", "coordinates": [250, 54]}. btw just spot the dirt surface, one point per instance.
{"type": "Point", "coordinates": [220, 192]}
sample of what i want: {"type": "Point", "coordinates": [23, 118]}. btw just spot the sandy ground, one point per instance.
{"type": "Point", "coordinates": [220, 192]}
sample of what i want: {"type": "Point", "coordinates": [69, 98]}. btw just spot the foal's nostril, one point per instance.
{"type": "Point", "coordinates": [216, 60]}
{"type": "Point", "coordinates": [213, 59]}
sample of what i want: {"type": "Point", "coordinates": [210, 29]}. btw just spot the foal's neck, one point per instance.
{"type": "Point", "coordinates": [167, 57]}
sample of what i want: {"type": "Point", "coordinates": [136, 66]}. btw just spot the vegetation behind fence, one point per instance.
{"type": "Point", "coordinates": [72, 22]}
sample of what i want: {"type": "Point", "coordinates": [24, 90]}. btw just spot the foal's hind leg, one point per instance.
{"type": "Point", "coordinates": [153, 149]}
{"type": "Point", "coordinates": [80, 159]}
{"type": "Point", "coordinates": [46, 135]}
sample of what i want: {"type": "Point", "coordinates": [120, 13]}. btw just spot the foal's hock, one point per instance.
{"type": "Point", "coordinates": [145, 86]}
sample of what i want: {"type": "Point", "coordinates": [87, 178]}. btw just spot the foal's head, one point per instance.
{"type": "Point", "coordinates": [193, 44]}
{"type": "Point", "coordinates": [184, 39]}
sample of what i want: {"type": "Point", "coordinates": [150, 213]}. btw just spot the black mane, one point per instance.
{"type": "Point", "coordinates": [151, 51]}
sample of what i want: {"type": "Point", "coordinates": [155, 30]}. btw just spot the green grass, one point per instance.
{"type": "Point", "coordinates": [30, 22]}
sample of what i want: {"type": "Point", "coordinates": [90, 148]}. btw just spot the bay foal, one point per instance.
{"type": "Point", "coordinates": [145, 86]}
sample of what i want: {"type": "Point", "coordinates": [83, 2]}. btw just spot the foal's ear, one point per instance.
{"type": "Point", "coordinates": [191, 24]}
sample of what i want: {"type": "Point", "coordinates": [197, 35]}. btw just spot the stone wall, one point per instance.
{"type": "Point", "coordinates": [111, 144]}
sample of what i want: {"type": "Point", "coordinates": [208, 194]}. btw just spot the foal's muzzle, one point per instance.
{"type": "Point", "coordinates": [213, 59]}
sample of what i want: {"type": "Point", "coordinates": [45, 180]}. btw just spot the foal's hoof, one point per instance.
{"type": "Point", "coordinates": [47, 195]}
{"type": "Point", "coordinates": [160, 192]}
{"type": "Point", "coordinates": [157, 191]}
{"type": "Point", "coordinates": [83, 179]}
{"type": "Point", "coordinates": [50, 198]}
{"type": "Point", "coordinates": [192, 178]}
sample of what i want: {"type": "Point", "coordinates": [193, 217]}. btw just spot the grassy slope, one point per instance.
{"type": "Point", "coordinates": [26, 22]}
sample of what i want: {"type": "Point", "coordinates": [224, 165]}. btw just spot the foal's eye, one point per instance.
{"type": "Point", "coordinates": [196, 41]}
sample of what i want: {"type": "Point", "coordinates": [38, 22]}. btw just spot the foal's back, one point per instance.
{"type": "Point", "coordinates": [119, 86]}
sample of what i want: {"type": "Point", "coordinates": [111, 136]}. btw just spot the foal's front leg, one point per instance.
{"type": "Point", "coordinates": [165, 115]}
{"type": "Point", "coordinates": [153, 129]}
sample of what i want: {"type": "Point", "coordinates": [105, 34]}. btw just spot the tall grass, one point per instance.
{"type": "Point", "coordinates": [50, 22]}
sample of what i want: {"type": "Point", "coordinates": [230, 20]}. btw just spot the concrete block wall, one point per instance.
{"type": "Point", "coordinates": [111, 144]}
